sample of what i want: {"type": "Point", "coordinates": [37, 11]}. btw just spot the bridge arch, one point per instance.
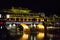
{"type": "Point", "coordinates": [24, 27]}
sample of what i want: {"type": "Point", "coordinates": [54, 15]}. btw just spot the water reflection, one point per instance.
{"type": "Point", "coordinates": [24, 37]}
{"type": "Point", "coordinates": [34, 36]}
{"type": "Point", "coordinates": [37, 35]}
{"type": "Point", "coordinates": [40, 36]}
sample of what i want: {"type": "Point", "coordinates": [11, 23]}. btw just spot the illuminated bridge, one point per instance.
{"type": "Point", "coordinates": [19, 16]}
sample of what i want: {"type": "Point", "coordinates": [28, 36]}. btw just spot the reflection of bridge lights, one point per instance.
{"type": "Point", "coordinates": [40, 35]}
{"type": "Point", "coordinates": [24, 37]}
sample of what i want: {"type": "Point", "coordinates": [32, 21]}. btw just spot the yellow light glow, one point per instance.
{"type": "Point", "coordinates": [24, 11]}
{"type": "Point", "coordinates": [14, 10]}
{"type": "Point", "coordinates": [24, 26]}
{"type": "Point", "coordinates": [37, 19]}
{"type": "Point", "coordinates": [40, 35]}
{"type": "Point", "coordinates": [50, 27]}
{"type": "Point", "coordinates": [7, 15]}
{"type": "Point", "coordinates": [40, 26]}
{"type": "Point", "coordinates": [24, 37]}
{"type": "Point", "coordinates": [42, 19]}
{"type": "Point", "coordinates": [14, 25]}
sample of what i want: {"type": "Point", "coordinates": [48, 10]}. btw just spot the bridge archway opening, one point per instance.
{"type": "Point", "coordinates": [24, 26]}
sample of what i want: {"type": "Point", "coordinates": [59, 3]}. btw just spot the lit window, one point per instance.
{"type": "Point", "coordinates": [7, 15]}
{"type": "Point", "coordinates": [0, 15]}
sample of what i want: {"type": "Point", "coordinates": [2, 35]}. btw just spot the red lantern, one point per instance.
{"type": "Point", "coordinates": [1, 22]}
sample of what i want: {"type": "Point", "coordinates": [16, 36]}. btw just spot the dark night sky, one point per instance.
{"type": "Point", "coordinates": [47, 6]}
